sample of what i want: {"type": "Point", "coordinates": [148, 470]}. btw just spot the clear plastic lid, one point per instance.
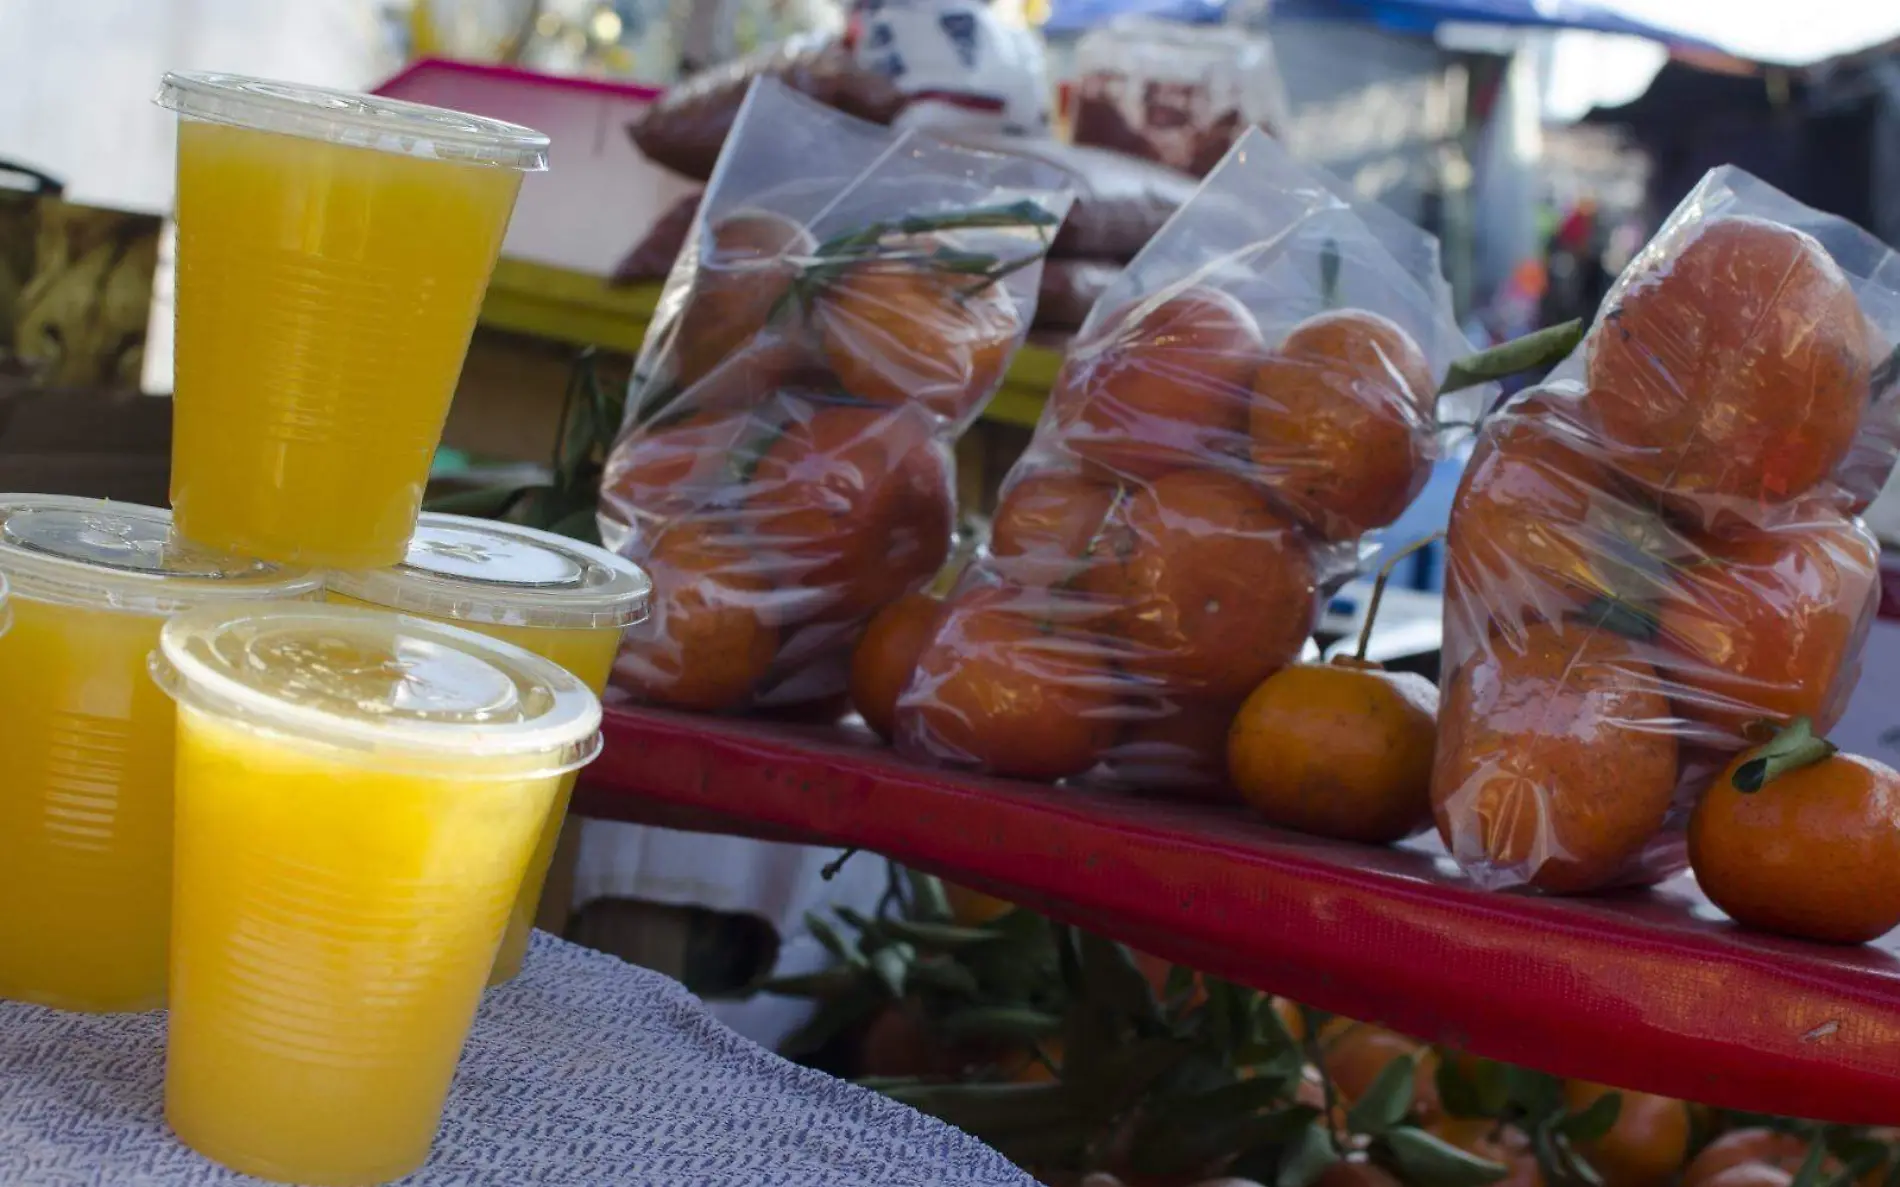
{"type": "Point", "coordinates": [403, 691]}
{"type": "Point", "coordinates": [478, 570]}
{"type": "Point", "coordinates": [122, 556]}
{"type": "Point", "coordinates": [360, 121]}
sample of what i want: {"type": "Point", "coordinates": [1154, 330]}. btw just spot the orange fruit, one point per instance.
{"type": "Point", "coordinates": [1770, 624]}
{"type": "Point", "coordinates": [1340, 750]}
{"type": "Point", "coordinates": [742, 275]}
{"type": "Point", "coordinates": [1750, 1174]}
{"type": "Point", "coordinates": [1815, 853]}
{"type": "Point", "coordinates": [1526, 734]}
{"type": "Point", "coordinates": [1341, 422]}
{"type": "Point", "coordinates": [1647, 1145]}
{"type": "Point", "coordinates": [1007, 691]}
{"type": "Point", "coordinates": [706, 647]}
{"type": "Point", "coordinates": [1161, 385]}
{"type": "Point", "coordinates": [897, 331]}
{"type": "Point", "coordinates": [973, 908]}
{"type": "Point", "coordinates": [1173, 747]}
{"type": "Point", "coordinates": [884, 658]}
{"type": "Point", "coordinates": [1045, 522]}
{"type": "Point", "coordinates": [1736, 370]}
{"type": "Point", "coordinates": [1738, 1147]}
{"type": "Point", "coordinates": [1494, 1141]}
{"type": "Point", "coordinates": [1354, 1058]}
{"type": "Point", "coordinates": [1215, 589]}
{"type": "Point", "coordinates": [859, 499]}
{"type": "Point", "coordinates": [671, 468]}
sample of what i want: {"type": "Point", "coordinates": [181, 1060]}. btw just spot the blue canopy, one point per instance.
{"type": "Point", "coordinates": [1412, 16]}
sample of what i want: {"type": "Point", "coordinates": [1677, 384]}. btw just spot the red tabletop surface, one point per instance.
{"type": "Point", "coordinates": [1652, 991]}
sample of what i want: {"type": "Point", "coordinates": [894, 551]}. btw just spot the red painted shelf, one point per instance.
{"type": "Point", "coordinates": [1652, 991]}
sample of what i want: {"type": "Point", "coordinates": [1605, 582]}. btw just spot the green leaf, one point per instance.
{"type": "Point", "coordinates": [942, 937]}
{"type": "Point", "coordinates": [928, 901]}
{"type": "Point", "coordinates": [1000, 1022]}
{"type": "Point", "coordinates": [1240, 1099]}
{"type": "Point", "coordinates": [1810, 1173]}
{"type": "Point", "coordinates": [822, 930]}
{"type": "Point", "coordinates": [1424, 1160]}
{"type": "Point", "coordinates": [1109, 969]}
{"type": "Point", "coordinates": [1126, 1074]}
{"type": "Point", "coordinates": [1791, 749]}
{"type": "Point", "coordinates": [1537, 1094]}
{"type": "Point", "coordinates": [990, 1110]}
{"type": "Point", "coordinates": [582, 525]}
{"type": "Point", "coordinates": [1307, 1157]}
{"type": "Point", "coordinates": [826, 983]}
{"type": "Point", "coordinates": [488, 502]}
{"type": "Point", "coordinates": [833, 1017]}
{"type": "Point", "coordinates": [892, 966]}
{"type": "Point", "coordinates": [1387, 1100]}
{"type": "Point", "coordinates": [1594, 1121]}
{"type": "Point", "coordinates": [1534, 351]}
{"type": "Point", "coordinates": [944, 975]}
{"type": "Point", "coordinates": [1164, 1147]}
{"type": "Point", "coordinates": [1180, 982]}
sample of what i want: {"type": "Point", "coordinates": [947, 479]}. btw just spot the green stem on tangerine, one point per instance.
{"type": "Point", "coordinates": [1378, 588]}
{"type": "Point", "coordinates": [1790, 750]}
{"type": "Point", "coordinates": [1542, 348]}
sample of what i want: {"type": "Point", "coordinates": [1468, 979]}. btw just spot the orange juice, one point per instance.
{"type": "Point", "coordinates": [86, 805]}
{"type": "Point", "coordinates": [563, 600]}
{"type": "Point", "coordinates": [358, 795]}
{"type": "Point", "coordinates": [333, 251]}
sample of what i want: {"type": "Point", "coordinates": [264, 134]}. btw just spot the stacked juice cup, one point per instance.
{"type": "Point", "coordinates": [358, 796]}
{"type": "Point", "coordinates": [563, 600]}
{"type": "Point", "coordinates": [86, 811]}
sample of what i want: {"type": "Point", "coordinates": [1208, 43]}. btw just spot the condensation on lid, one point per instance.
{"type": "Point", "coordinates": [123, 556]}
{"type": "Point", "coordinates": [479, 570]}
{"type": "Point", "coordinates": [360, 121]}
{"type": "Point", "coordinates": [390, 684]}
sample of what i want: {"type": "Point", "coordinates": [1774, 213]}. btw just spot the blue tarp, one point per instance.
{"type": "Point", "coordinates": [1414, 16]}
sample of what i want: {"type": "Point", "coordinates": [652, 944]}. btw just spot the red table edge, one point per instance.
{"type": "Point", "coordinates": [1301, 927]}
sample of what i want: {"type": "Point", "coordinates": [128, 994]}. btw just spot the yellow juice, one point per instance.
{"type": "Point", "coordinates": [589, 655]}
{"type": "Point", "coordinates": [335, 924]}
{"type": "Point", "coordinates": [325, 298]}
{"type": "Point", "coordinates": [85, 810]}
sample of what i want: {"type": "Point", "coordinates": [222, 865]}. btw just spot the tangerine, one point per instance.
{"type": "Point", "coordinates": [884, 658]}
{"type": "Point", "coordinates": [1813, 853]}
{"type": "Point", "coordinates": [673, 467]}
{"type": "Point", "coordinates": [1354, 1058]}
{"type": "Point", "coordinates": [1770, 624]}
{"type": "Point", "coordinates": [1008, 691]}
{"type": "Point", "coordinates": [896, 331]}
{"type": "Point", "coordinates": [1526, 735]}
{"type": "Point", "coordinates": [1751, 1174]}
{"type": "Point", "coordinates": [1163, 384]}
{"type": "Point", "coordinates": [1341, 422]}
{"type": "Point", "coordinates": [859, 498]}
{"type": "Point", "coordinates": [707, 647]}
{"type": "Point", "coordinates": [1738, 369]}
{"type": "Point", "coordinates": [1173, 747]}
{"type": "Point", "coordinates": [973, 908]}
{"type": "Point", "coordinates": [1045, 522]}
{"type": "Point", "coordinates": [1755, 1144]}
{"type": "Point", "coordinates": [743, 273]}
{"type": "Point", "coordinates": [1647, 1145]}
{"type": "Point", "coordinates": [1215, 588]}
{"type": "Point", "coordinates": [1341, 750]}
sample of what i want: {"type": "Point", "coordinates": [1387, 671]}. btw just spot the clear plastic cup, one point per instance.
{"type": "Point", "coordinates": [333, 250]}
{"type": "Point", "coordinates": [559, 598]}
{"type": "Point", "coordinates": [358, 795]}
{"type": "Point", "coordinates": [86, 804]}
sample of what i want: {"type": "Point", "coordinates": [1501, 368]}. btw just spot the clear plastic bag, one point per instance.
{"type": "Point", "coordinates": [845, 304]}
{"type": "Point", "coordinates": [1253, 393]}
{"type": "Point", "coordinates": [1652, 557]}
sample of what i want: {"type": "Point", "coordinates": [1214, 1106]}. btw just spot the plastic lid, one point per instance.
{"type": "Point", "coordinates": [122, 556]}
{"type": "Point", "coordinates": [361, 121]}
{"type": "Point", "coordinates": [478, 570]}
{"type": "Point", "coordinates": [401, 689]}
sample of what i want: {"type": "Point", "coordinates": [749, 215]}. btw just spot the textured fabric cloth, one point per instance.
{"type": "Point", "coordinates": [584, 1072]}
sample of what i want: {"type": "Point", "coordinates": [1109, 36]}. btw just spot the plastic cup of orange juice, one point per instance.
{"type": "Point", "coordinates": [559, 598]}
{"type": "Point", "coordinates": [358, 795]}
{"type": "Point", "coordinates": [86, 801]}
{"type": "Point", "coordinates": [333, 250]}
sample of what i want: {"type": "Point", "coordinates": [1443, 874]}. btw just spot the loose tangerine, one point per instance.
{"type": "Point", "coordinates": [707, 647]}
{"type": "Point", "coordinates": [1342, 750]}
{"type": "Point", "coordinates": [1738, 369]}
{"type": "Point", "coordinates": [1814, 854]}
{"type": "Point", "coordinates": [1007, 692]}
{"type": "Point", "coordinates": [1647, 1145]}
{"type": "Point", "coordinates": [742, 276]}
{"type": "Point", "coordinates": [1769, 625]}
{"type": "Point", "coordinates": [1045, 522]}
{"type": "Point", "coordinates": [1163, 385]}
{"type": "Point", "coordinates": [1355, 1058]}
{"type": "Point", "coordinates": [884, 658]}
{"type": "Point", "coordinates": [899, 331]}
{"type": "Point", "coordinates": [1215, 589]}
{"type": "Point", "coordinates": [859, 498]}
{"type": "Point", "coordinates": [1754, 1144]}
{"type": "Point", "coordinates": [1341, 422]}
{"type": "Point", "coordinates": [1555, 763]}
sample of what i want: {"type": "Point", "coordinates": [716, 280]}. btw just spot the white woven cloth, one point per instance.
{"type": "Point", "coordinates": [585, 1072]}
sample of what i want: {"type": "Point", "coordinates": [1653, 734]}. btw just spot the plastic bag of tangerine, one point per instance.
{"type": "Point", "coordinates": [1653, 556]}
{"type": "Point", "coordinates": [847, 302]}
{"type": "Point", "coordinates": [1254, 394]}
